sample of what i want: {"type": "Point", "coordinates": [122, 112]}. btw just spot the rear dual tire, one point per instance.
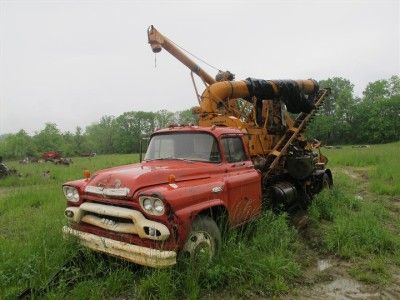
{"type": "Point", "coordinates": [326, 181]}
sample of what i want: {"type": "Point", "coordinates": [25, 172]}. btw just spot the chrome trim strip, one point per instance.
{"type": "Point", "coordinates": [116, 192]}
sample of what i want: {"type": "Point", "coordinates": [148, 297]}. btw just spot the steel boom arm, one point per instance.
{"type": "Point", "coordinates": [158, 41]}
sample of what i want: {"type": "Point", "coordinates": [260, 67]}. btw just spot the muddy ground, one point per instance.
{"type": "Point", "coordinates": [328, 276]}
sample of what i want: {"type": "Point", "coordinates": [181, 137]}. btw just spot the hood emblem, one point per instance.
{"type": "Point", "coordinates": [173, 185]}
{"type": "Point", "coordinates": [117, 183]}
{"type": "Point", "coordinates": [217, 189]}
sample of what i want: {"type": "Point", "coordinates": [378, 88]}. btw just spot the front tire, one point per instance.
{"type": "Point", "coordinates": [204, 239]}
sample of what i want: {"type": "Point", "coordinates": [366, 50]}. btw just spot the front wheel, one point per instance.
{"type": "Point", "coordinates": [204, 239]}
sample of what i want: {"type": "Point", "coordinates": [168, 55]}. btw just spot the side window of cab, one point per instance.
{"type": "Point", "coordinates": [233, 149]}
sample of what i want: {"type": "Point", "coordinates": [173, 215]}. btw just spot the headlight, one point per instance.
{"type": "Point", "coordinates": [152, 205]}
{"type": "Point", "coordinates": [147, 204]}
{"type": "Point", "coordinates": [71, 193]}
{"type": "Point", "coordinates": [158, 206]}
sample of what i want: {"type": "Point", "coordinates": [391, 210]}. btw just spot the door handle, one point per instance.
{"type": "Point", "coordinates": [238, 165]}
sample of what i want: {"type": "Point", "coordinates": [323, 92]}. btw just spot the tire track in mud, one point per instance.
{"type": "Point", "coordinates": [328, 277]}
{"type": "Point", "coordinates": [335, 283]}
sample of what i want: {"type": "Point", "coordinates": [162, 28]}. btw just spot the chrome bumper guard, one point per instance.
{"type": "Point", "coordinates": [101, 215]}
{"type": "Point", "coordinates": [140, 255]}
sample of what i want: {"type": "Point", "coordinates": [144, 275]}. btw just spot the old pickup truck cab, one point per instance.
{"type": "Point", "coordinates": [172, 202]}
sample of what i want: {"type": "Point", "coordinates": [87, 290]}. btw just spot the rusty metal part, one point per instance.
{"type": "Point", "coordinates": [224, 76]}
{"type": "Point", "coordinates": [137, 254]}
{"type": "Point", "coordinates": [291, 135]}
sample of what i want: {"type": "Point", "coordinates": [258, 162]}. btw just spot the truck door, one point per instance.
{"type": "Point", "coordinates": [242, 181]}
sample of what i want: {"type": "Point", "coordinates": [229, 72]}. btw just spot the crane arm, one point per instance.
{"type": "Point", "coordinates": [158, 41]}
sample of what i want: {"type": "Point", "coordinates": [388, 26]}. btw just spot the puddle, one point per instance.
{"type": "Point", "coordinates": [323, 264]}
{"type": "Point", "coordinates": [344, 288]}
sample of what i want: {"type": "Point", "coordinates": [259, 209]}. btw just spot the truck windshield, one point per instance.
{"type": "Point", "coordinates": [186, 146]}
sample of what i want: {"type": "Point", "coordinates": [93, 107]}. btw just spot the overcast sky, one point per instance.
{"type": "Point", "coordinates": [71, 62]}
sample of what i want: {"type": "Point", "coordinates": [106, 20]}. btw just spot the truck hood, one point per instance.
{"type": "Point", "coordinates": [150, 173]}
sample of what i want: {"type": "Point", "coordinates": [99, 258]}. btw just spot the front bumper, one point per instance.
{"type": "Point", "coordinates": [140, 255]}
{"type": "Point", "coordinates": [135, 222]}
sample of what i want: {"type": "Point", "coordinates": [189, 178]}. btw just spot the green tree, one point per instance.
{"type": "Point", "coordinates": [17, 145]}
{"type": "Point", "coordinates": [49, 139]}
{"type": "Point", "coordinates": [394, 85]}
{"type": "Point", "coordinates": [68, 144]}
{"type": "Point", "coordinates": [128, 128]}
{"type": "Point", "coordinates": [186, 117]}
{"type": "Point", "coordinates": [80, 141]}
{"type": "Point", "coordinates": [377, 121]}
{"type": "Point", "coordinates": [376, 90]}
{"type": "Point", "coordinates": [101, 136]}
{"type": "Point", "coordinates": [133, 126]}
{"type": "Point", "coordinates": [164, 118]}
{"type": "Point", "coordinates": [332, 123]}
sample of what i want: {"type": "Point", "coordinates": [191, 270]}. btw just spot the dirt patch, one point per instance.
{"type": "Point", "coordinates": [350, 173]}
{"type": "Point", "coordinates": [327, 277]}
{"type": "Point", "coordinates": [360, 175]}
{"type": "Point", "coordinates": [395, 202]}
{"type": "Point", "coordinates": [4, 191]}
{"type": "Point", "coordinates": [356, 173]}
{"type": "Point", "coordinates": [348, 288]}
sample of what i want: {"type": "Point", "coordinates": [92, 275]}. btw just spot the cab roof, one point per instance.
{"type": "Point", "coordinates": [214, 130]}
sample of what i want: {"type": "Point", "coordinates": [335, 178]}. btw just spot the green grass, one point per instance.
{"type": "Point", "coordinates": [257, 260]}
{"type": "Point", "coordinates": [32, 174]}
{"type": "Point", "coordinates": [31, 206]}
{"type": "Point", "coordinates": [352, 220]}
{"type": "Point", "coordinates": [381, 162]}
{"type": "Point", "coordinates": [374, 270]}
{"type": "Point", "coordinates": [265, 258]}
{"type": "Point", "coordinates": [32, 248]}
{"type": "Point", "coordinates": [352, 227]}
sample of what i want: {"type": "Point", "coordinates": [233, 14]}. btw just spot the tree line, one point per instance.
{"type": "Point", "coordinates": [346, 119]}
{"type": "Point", "coordinates": [111, 134]}
{"type": "Point", "coordinates": [343, 119]}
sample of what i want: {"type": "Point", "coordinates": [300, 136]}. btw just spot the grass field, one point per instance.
{"type": "Point", "coordinates": [356, 222]}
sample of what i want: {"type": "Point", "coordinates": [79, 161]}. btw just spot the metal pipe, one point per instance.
{"type": "Point", "coordinates": [216, 94]}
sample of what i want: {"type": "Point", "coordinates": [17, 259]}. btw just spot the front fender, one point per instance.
{"type": "Point", "coordinates": [189, 213]}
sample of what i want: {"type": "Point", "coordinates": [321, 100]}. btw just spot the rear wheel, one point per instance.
{"type": "Point", "coordinates": [326, 181]}
{"type": "Point", "coordinates": [204, 239]}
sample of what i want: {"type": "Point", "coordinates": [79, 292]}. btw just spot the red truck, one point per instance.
{"type": "Point", "coordinates": [191, 179]}
{"type": "Point", "coordinates": [51, 155]}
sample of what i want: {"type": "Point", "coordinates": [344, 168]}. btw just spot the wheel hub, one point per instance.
{"type": "Point", "coordinates": [199, 244]}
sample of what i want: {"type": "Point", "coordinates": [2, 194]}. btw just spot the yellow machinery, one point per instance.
{"type": "Point", "coordinates": [262, 109]}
